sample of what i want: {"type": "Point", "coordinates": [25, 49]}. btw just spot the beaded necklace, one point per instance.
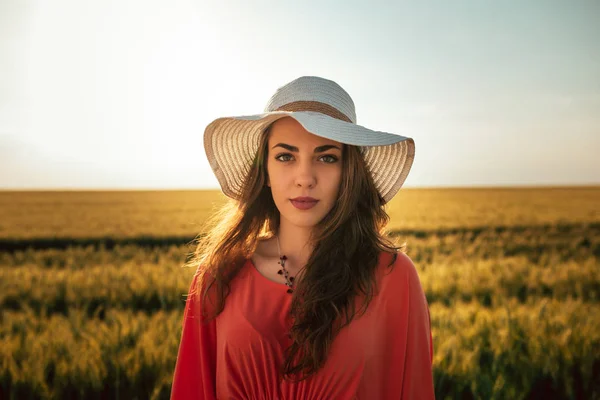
{"type": "Point", "coordinates": [289, 280]}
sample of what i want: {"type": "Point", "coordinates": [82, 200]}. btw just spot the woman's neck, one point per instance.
{"type": "Point", "coordinates": [294, 242]}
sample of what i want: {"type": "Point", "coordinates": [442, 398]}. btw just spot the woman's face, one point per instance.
{"type": "Point", "coordinates": [304, 172]}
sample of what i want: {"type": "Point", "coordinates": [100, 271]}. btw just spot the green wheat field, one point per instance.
{"type": "Point", "coordinates": [92, 285]}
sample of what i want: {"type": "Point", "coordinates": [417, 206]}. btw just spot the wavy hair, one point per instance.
{"type": "Point", "coordinates": [340, 270]}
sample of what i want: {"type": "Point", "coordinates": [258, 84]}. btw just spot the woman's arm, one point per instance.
{"type": "Point", "coordinates": [194, 376]}
{"type": "Point", "coordinates": [418, 373]}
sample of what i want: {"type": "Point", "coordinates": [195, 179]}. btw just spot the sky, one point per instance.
{"type": "Point", "coordinates": [116, 94]}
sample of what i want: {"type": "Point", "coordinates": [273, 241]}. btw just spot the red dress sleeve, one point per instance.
{"type": "Point", "coordinates": [418, 373]}
{"type": "Point", "coordinates": [194, 376]}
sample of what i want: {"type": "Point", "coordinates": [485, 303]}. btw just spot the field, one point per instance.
{"type": "Point", "coordinates": [92, 284]}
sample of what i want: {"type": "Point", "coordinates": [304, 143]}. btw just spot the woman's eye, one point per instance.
{"type": "Point", "coordinates": [283, 157]}
{"type": "Point", "coordinates": [329, 159]}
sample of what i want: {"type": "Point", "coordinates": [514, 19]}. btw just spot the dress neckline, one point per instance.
{"type": "Point", "coordinates": [281, 286]}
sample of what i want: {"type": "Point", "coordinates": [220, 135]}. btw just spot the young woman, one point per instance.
{"type": "Point", "coordinates": [298, 293]}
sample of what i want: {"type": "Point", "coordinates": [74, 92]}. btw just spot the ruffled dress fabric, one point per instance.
{"type": "Point", "coordinates": [387, 353]}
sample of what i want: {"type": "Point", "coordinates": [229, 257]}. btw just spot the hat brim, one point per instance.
{"type": "Point", "coordinates": [231, 144]}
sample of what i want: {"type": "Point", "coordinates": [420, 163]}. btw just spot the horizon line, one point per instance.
{"type": "Point", "coordinates": [442, 187]}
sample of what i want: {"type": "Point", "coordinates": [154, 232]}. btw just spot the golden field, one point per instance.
{"type": "Point", "coordinates": [182, 213]}
{"type": "Point", "coordinates": [91, 289]}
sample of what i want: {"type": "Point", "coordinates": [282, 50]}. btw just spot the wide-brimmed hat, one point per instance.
{"type": "Point", "coordinates": [324, 109]}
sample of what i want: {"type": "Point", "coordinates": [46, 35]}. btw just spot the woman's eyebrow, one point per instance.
{"type": "Point", "coordinates": [286, 146]}
{"type": "Point", "coordinates": [319, 149]}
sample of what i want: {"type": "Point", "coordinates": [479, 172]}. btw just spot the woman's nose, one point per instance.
{"type": "Point", "coordinates": [305, 175]}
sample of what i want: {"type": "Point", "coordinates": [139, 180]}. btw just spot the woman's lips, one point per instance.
{"type": "Point", "coordinates": [304, 204]}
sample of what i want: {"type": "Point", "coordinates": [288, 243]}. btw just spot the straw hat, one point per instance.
{"type": "Point", "coordinates": [324, 109]}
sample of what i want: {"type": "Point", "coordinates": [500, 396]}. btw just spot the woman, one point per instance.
{"type": "Point", "coordinates": [298, 294]}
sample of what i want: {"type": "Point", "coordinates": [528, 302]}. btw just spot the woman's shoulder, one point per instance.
{"type": "Point", "coordinates": [396, 260]}
{"type": "Point", "coordinates": [201, 296]}
{"type": "Point", "coordinates": [398, 268]}
{"type": "Point", "coordinates": [401, 285]}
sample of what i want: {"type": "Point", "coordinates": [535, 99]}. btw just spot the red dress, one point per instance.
{"type": "Point", "coordinates": [387, 353]}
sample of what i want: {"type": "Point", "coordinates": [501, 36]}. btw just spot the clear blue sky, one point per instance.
{"type": "Point", "coordinates": [116, 94]}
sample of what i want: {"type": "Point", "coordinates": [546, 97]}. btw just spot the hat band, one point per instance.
{"type": "Point", "coordinates": [315, 106]}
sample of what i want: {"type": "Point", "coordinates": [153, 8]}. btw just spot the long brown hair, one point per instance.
{"type": "Point", "coordinates": [341, 268]}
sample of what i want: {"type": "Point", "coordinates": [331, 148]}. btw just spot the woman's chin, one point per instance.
{"type": "Point", "coordinates": [304, 220]}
